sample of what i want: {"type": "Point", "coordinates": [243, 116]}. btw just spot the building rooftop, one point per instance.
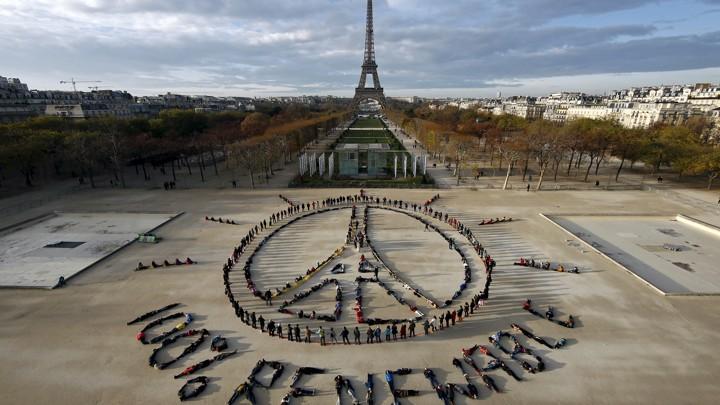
{"type": "Point", "coordinates": [363, 146]}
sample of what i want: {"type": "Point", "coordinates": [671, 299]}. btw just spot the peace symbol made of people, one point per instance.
{"type": "Point", "coordinates": [296, 276]}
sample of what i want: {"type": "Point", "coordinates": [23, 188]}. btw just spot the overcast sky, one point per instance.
{"type": "Point", "coordinates": [469, 48]}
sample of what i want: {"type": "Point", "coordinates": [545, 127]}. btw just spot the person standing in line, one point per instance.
{"type": "Point", "coordinates": [378, 335]}
{"type": "Point", "coordinates": [356, 334]}
{"type": "Point", "coordinates": [370, 335]}
{"type": "Point", "coordinates": [345, 333]}
{"type": "Point", "coordinates": [321, 333]}
{"type": "Point", "coordinates": [333, 339]}
{"type": "Point", "coordinates": [412, 328]}
{"type": "Point", "coordinates": [308, 334]}
{"type": "Point", "coordinates": [388, 332]}
{"type": "Point", "coordinates": [297, 332]}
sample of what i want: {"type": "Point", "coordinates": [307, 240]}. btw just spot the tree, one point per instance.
{"type": "Point", "coordinates": [255, 124]}
{"type": "Point", "coordinates": [667, 145]}
{"type": "Point", "coordinates": [460, 147]}
{"type": "Point", "coordinates": [700, 126]}
{"type": "Point", "coordinates": [246, 154]}
{"type": "Point", "coordinates": [114, 139]}
{"type": "Point", "coordinates": [708, 164]}
{"type": "Point", "coordinates": [573, 134]}
{"type": "Point", "coordinates": [24, 149]}
{"type": "Point", "coordinates": [628, 144]}
{"type": "Point", "coordinates": [552, 149]}
{"type": "Point", "coordinates": [85, 146]}
{"type": "Point", "coordinates": [534, 140]}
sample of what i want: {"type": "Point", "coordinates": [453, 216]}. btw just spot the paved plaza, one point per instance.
{"type": "Point", "coordinates": [668, 254]}
{"type": "Point", "coordinates": [631, 344]}
{"type": "Point", "coordinates": [39, 252]}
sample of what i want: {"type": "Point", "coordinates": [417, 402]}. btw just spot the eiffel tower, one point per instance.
{"type": "Point", "coordinates": [369, 67]}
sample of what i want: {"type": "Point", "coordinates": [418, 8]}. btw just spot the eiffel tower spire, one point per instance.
{"type": "Point", "coordinates": [369, 66]}
{"type": "Point", "coordinates": [369, 36]}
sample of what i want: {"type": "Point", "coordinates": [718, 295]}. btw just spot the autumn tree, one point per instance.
{"type": "Point", "coordinates": [707, 163]}
{"type": "Point", "coordinates": [628, 144]}
{"type": "Point", "coordinates": [255, 124]}
{"type": "Point", "coordinates": [86, 148]}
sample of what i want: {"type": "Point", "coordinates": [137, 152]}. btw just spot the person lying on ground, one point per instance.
{"type": "Point", "coordinates": [169, 341]}
{"type": "Point", "coordinates": [560, 342]}
{"type": "Point", "coordinates": [240, 390]}
{"type": "Point", "coordinates": [153, 313]}
{"type": "Point", "coordinates": [490, 383]}
{"type": "Point", "coordinates": [570, 323]}
{"type": "Point", "coordinates": [184, 394]}
{"type": "Point", "coordinates": [296, 393]}
{"type": "Point", "coordinates": [141, 337]}
{"type": "Point", "coordinates": [305, 371]}
{"type": "Point", "coordinates": [205, 363]}
{"type": "Point", "coordinates": [406, 393]}
{"type": "Point", "coordinates": [370, 387]}
{"type": "Point", "coordinates": [279, 368]}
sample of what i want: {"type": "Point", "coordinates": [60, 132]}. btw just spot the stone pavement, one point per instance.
{"type": "Point", "coordinates": [71, 345]}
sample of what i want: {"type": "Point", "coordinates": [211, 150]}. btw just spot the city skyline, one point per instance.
{"type": "Point", "coordinates": [464, 49]}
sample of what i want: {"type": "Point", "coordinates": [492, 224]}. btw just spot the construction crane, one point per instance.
{"type": "Point", "coordinates": [74, 82]}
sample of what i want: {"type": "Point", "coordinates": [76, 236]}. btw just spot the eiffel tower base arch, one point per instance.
{"type": "Point", "coordinates": [369, 94]}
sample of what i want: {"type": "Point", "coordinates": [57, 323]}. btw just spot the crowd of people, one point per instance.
{"type": "Point", "coordinates": [287, 200]}
{"type": "Point", "coordinates": [198, 383]}
{"type": "Point", "coordinates": [517, 350]}
{"type": "Point", "coordinates": [315, 207]}
{"type": "Point", "coordinates": [343, 384]}
{"type": "Point", "coordinates": [358, 308]}
{"type": "Point", "coordinates": [251, 382]}
{"type": "Point", "coordinates": [165, 263]}
{"type": "Point", "coordinates": [222, 221]}
{"type": "Point", "coordinates": [558, 344]}
{"type": "Point", "coordinates": [302, 295]}
{"type": "Point", "coordinates": [398, 393]}
{"type": "Point", "coordinates": [432, 200]}
{"type": "Point", "coordinates": [549, 315]}
{"type": "Point", "coordinates": [191, 348]}
{"type": "Point", "coordinates": [194, 386]}
{"type": "Point", "coordinates": [152, 313]}
{"type": "Point", "coordinates": [142, 337]}
{"type": "Point", "coordinates": [545, 265]}
{"type": "Point", "coordinates": [495, 221]}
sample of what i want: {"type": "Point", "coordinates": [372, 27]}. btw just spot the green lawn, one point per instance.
{"type": "Point", "coordinates": [370, 136]}
{"type": "Point", "coordinates": [368, 123]}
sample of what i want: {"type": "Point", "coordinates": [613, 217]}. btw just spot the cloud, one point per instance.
{"type": "Point", "coordinates": [260, 46]}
